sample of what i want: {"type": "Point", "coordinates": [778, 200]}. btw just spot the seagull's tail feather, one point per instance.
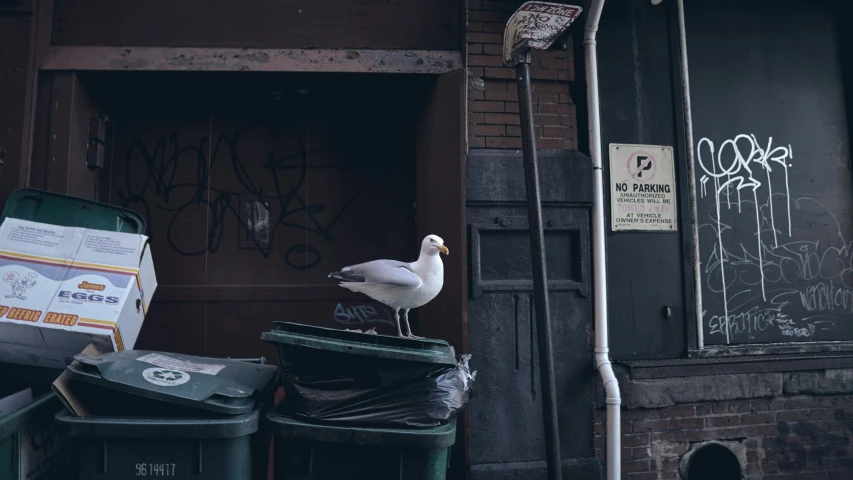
{"type": "Point", "coordinates": [347, 277]}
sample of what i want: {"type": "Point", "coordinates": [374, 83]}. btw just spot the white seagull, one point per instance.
{"type": "Point", "coordinates": [400, 285]}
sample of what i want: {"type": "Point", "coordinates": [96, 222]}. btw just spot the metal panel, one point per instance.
{"type": "Point", "coordinates": [638, 106]}
{"type": "Point", "coordinates": [405, 24]}
{"type": "Point", "coordinates": [507, 434]}
{"type": "Point", "coordinates": [776, 253]}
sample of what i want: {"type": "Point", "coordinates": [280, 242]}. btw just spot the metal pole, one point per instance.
{"type": "Point", "coordinates": [540, 272]}
{"type": "Point", "coordinates": [691, 173]}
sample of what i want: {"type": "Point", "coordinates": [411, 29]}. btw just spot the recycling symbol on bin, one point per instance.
{"type": "Point", "coordinates": [165, 377]}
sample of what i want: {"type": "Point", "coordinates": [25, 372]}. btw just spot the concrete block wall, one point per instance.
{"type": "Point", "coordinates": [785, 438]}
{"type": "Point", "coordinates": [492, 97]}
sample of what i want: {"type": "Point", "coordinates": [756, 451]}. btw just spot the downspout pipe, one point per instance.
{"type": "Point", "coordinates": [613, 397]}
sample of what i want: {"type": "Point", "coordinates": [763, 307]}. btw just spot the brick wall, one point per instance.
{"type": "Point", "coordinates": [783, 439]}
{"type": "Point", "coordinates": [492, 96]}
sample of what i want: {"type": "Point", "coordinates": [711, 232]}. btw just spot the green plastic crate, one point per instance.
{"type": "Point", "coordinates": [107, 448]}
{"type": "Point", "coordinates": [305, 451]}
{"type": "Point", "coordinates": [56, 209]}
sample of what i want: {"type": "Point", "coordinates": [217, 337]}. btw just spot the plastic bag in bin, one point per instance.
{"type": "Point", "coordinates": [381, 395]}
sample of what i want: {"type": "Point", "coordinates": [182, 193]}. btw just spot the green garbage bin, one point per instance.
{"type": "Point", "coordinates": [169, 415]}
{"type": "Point", "coordinates": [120, 448]}
{"type": "Point", "coordinates": [30, 447]}
{"type": "Point", "coordinates": [305, 451]}
{"type": "Point", "coordinates": [56, 209]}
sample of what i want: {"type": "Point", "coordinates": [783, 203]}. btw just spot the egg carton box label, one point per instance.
{"type": "Point", "coordinates": [62, 288]}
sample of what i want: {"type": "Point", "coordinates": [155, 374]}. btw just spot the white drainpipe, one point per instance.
{"type": "Point", "coordinates": [599, 265]}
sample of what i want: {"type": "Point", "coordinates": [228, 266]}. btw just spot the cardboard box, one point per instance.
{"type": "Point", "coordinates": [62, 288]}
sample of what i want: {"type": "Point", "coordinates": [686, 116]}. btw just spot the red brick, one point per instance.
{"type": "Point", "coordinates": [553, 63]}
{"type": "Point", "coordinates": [549, 120]}
{"type": "Point", "coordinates": [540, 74]}
{"type": "Point", "coordinates": [484, 16]}
{"type": "Point", "coordinates": [557, 132]}
{"type": "Point", "coordinates": [731, 407]}
{"type": "Point", "coordinates": [504, 142]}
{"type": "Point", "coordinates": [639, 453]}
{"type": "Point", "coordinates": [569, 120]}
{"type": "Point", "coordinates": [475, 26]}
{"type": "Point", "coordinates": [756, 418]}
{"type": "Point", "coordinates": [548, 144]}
{"type": "Point", "coordinates": [502, 119]}
{"type": "Point", "coordinates": [477, 142]}
{"type": "Point", "coordinates": [722, 421]}
{"type": "Point", "coordinates": [475, 5]}
{"type": "Point", "coordinates": [558, 109]}
{"type": "Point", "coordinates": [635, 440]}
{"type": "Point", "coordinates": [764, 405]}
{"type": "Point", "coordinates": [514, 131]}
{"type": "Point", "coordinates": [497, 5]}
{"type": "Point", "coordinates": [475, 49]}
{"type": "Point", "coordinates": [600, 428]}
{"type": "Point", "coordinates": [566, 75]}
{"type": "Point", "coordinates": [565, 98]}
{"type": "Point", "coordinates": [553, 87]}
{"type": "Point", "coordinates": [476, 118]}
{"type": "Point", "coordinates": [676, 436]}
{"type": "Point", "coordinates": [476, 71]}
{"type": "Point", "coordinates": [485, 106]}
{"type": "Point", "coordinates": [501, 95]}
{"type": "Point", "coordinates": [493, 72]}
{"type": "Point", "coordinates": [686, 423]}
{"type": "Point", "coordinates": [476, 94]}
{"type": "Point", "coordinates": [545, 97]}
{"type": "Point", "coordinates": [627, 426]}
{"type": "Point", "coordinates": [485, 61]}
{"type": "Point", "coordinates": [644, 425]}
{"type": "Point", "coordinates": [496, 27]}
{"type": "Point", "coordinates": [489, 130]}
{"type": "Point", "coordinates": [704, 409]}
{"type": "Point", "coordinates": [491, 49]}
{"type": "Point", "coordinates": [636, 466]}
{"type": "Point", "coordinates": [477, 37]}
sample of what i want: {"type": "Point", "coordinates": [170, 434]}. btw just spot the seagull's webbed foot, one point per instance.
{"type": "Point", "coordinates": [414, 337]}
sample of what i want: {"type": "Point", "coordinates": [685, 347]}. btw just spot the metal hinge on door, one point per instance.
{"type": "Point", "coordinates": [97, 139]}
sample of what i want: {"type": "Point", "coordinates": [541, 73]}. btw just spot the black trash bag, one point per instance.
{"type": "Point", "coordinates": [373, 393]}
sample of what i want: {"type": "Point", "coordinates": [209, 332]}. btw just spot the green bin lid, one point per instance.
{"type": "Point", "coordinates": [436, 437]}
{"type": "Point", "coordinates": [56, 209]}
{"type": "Point", "coordinates": [223, 386]}
{"type": "Point", "coordinates": [158, 428]}
{"type": "Point", "coordinates": [288, 334]}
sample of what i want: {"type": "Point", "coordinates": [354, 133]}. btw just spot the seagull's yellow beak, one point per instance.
{"type": "Point", "coordinates": [443, 249]}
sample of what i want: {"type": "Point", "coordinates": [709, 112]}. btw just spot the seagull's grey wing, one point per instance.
{"type": "Point", "coordinates": [386, 272]}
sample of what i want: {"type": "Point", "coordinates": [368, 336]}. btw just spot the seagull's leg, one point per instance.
{"type": "Point", "coordinates": [406, 317]}
{"type": "Point", "coordinates": [397, 316]}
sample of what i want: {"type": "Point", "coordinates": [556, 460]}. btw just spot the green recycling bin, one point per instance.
{"type": "Point", "coordinates": [119, 448]}
{"type": "Point", "coordinates": [56, 209]}
{"type": "Point", "coordinates": [159, 414]}
{"type": "Point", "coordinates": [30, 447]}
{"type": "Point", "coordinates": [306, 451]}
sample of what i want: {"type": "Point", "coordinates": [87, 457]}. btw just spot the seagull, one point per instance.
{"type": "Point", "coordinates": [400, 285]}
